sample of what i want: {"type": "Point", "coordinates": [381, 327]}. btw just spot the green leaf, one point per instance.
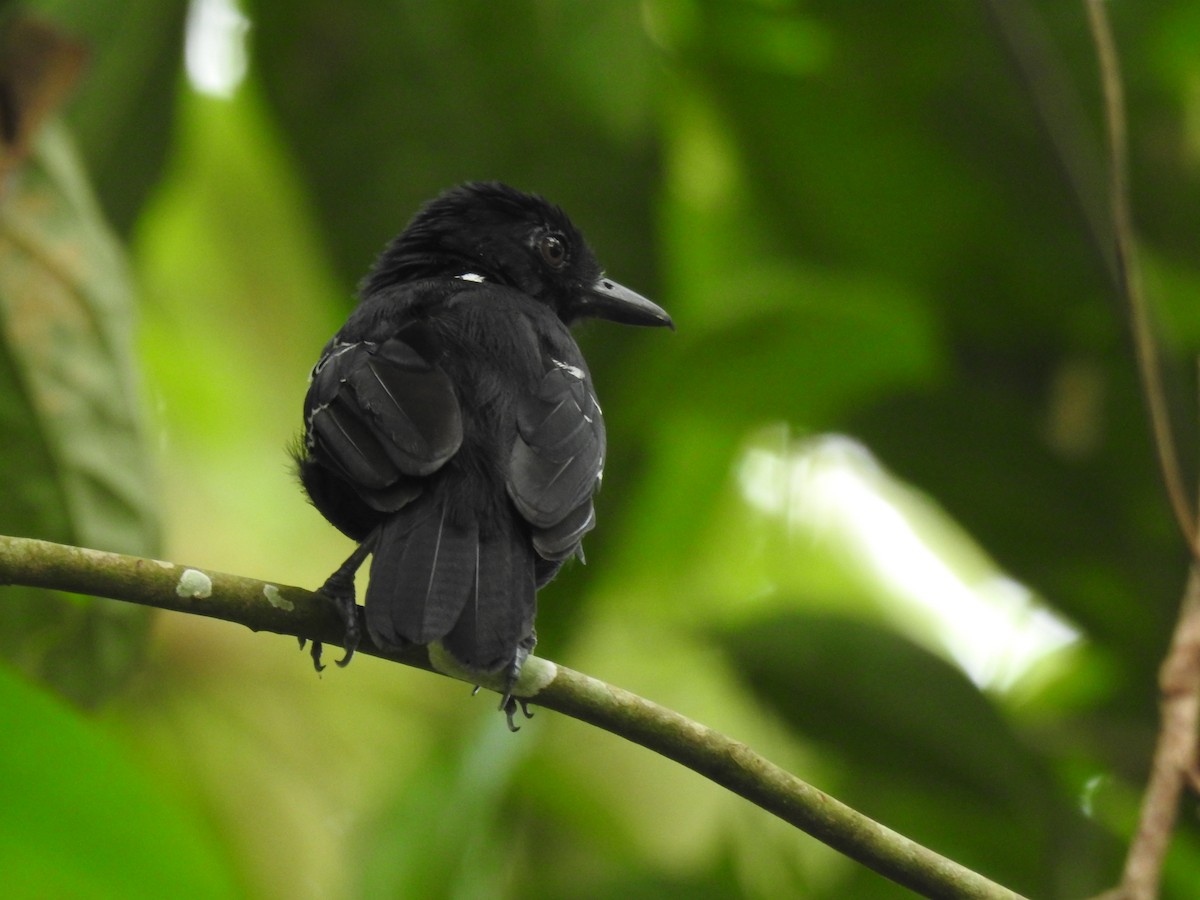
{"type": "Point", "coordinates": [74, 456]}
{"type": "Point", "coordinates": [80, 818]}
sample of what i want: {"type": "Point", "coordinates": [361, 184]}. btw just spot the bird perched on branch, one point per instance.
{"type": "Point", "coordinates": [451, 426]}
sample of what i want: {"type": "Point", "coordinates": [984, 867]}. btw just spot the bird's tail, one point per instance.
{"type": "Point", "coordinates": [433, 579]}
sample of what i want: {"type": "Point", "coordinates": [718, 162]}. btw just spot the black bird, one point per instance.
{"type": "Point", "coordinates": [451, 426]}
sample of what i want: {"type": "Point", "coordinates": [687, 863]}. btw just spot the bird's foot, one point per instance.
{"type": "Point", "coordinates": [338, 589]}
{"type": "Point", "coordinates": [508, 703]}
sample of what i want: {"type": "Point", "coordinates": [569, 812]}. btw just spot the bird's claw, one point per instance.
{"type": "Point", "coordinates": [348, 610]}
{"type": "Point", "coordinates": [509, 706]}
{"type": "Point", "coordinates": [315, 653]}
{"type": "Point", "coordinates": [508, 703]}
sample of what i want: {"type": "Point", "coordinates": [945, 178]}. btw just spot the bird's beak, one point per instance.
{"type": "Point", "coordinates": [608, 300]}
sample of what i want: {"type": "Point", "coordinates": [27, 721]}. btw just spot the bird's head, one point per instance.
{"type": "Point", "coordinates": [492, 232]}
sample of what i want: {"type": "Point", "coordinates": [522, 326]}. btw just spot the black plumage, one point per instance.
{"type": "Point", "coordinates": [451, 426]}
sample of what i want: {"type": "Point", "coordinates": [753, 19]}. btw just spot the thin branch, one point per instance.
{"type": "Point", "coordinates": [1175, 756]}
{"type": "Point", "coordinates": [1111, 233]}
{"type": "Point", "coordinates": [294, 611]}
{"type": "Point", "coordinates": [1125, 248]}
{"type": "Point", "coordinates": [1174, 765]}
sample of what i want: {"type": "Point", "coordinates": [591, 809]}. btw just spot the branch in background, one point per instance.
{"type": "Point", "coordinates": [1175, 756]}
{"type": "Point", "coordinates": [294, 611]}
{"type": "Point", "coordinates": [1125, 248]}
{"type": "Point", "coordinates": [1109, 225]}
{"type": "Point", "coordinates": [1174, 765]}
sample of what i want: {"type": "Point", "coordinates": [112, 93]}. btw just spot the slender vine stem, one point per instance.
{"type": "Point", "coordinates": [1125, 251]}
{"type": "Point", "coordinates": [1174, 764]}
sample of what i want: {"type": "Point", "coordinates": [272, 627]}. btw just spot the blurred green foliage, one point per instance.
{"type": "Point", "coordinates": [860, 226]}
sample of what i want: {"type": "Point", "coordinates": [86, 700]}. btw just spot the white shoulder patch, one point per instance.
{"type": "Point", "coordinates": [471, 276]}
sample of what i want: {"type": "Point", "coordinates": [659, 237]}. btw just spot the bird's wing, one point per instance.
{"type": "Point", "coordinates": [381, 413]}
{"type": "Point", "coordinates": [557, 459]}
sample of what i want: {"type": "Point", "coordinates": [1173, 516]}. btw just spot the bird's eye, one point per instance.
{"type": "Point", "coordinates": [554, 250]}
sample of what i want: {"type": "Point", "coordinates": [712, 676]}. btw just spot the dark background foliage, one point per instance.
{"type": "Point", "coordinates": [897, 339]}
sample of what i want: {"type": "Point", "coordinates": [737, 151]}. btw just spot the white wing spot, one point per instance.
{"type": "Point", "coordinates": [573, 371]}
{"type": "Point", "coordinates": [310, 436]}
{"type": "Point", "coordinates": [471, 276]}
{"type": "Point", "coordinates": [336, 350]}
